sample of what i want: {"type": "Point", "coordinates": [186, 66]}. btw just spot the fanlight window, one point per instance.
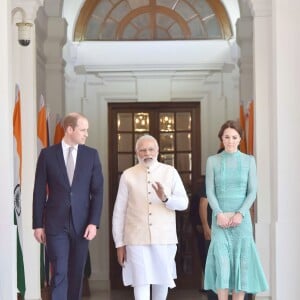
{"type": "Point", "coordinates": [131, 20]}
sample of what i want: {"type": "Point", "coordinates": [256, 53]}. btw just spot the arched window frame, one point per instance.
{"type": "Point", "coordinates": [154, 7]}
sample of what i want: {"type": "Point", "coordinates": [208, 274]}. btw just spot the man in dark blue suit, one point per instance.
{"type": "Point", "coordinates": [67, 208]}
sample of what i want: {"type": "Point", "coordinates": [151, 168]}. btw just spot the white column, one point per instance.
{"type": "Point", "coordinates": [277, 97]}
{"type": "Point", "coordinates": [24, 74]}
{"type": "Point", "coordinates": [286, 66]}
{"type": "Point", "coordinates": [7, 228]}
{"type": "Point", "coordinates": [264, 132]}
{"type": "Point", "coordinates": [245, 41]}
{"type": "Point", "coordinates": [55, 64]}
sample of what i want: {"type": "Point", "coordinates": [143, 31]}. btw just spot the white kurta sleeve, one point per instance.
{"type": "Point", "coordinates": [119, 212]}
{"type": "Point", "coordinates": [178, 199]}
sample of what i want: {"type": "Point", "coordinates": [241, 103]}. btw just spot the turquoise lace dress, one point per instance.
{"type": "Point", "coordinates": [232, 261]}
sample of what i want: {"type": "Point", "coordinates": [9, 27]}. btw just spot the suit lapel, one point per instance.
{"type": "Point", "coordinates": [78, 165]}
{"type": "Point", "coordinates": [61, 163]}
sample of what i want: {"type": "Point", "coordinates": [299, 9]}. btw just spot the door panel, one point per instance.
{"type": "Point", "coordinates": [176, 126]}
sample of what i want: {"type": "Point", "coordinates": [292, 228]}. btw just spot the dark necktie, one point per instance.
{"type": "Point", "coordinates": [70, 165]}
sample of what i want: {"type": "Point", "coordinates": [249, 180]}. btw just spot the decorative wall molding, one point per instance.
{"type": "Point", "coordinates": [125, 69]}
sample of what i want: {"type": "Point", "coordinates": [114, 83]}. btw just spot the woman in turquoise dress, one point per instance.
{"type": "Point", "coordinates": [232, 264]}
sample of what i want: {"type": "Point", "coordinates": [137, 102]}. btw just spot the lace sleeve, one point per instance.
{"type": "Point", "coordinates": [210, 187]}
{"type": "Point", "coordinates": [251, 187]}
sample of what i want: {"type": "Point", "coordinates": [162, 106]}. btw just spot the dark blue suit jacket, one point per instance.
{"type": "Point", "coordinates": [51, 205]}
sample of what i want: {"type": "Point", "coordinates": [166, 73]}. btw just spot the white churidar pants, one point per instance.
{"type": "Point", "coordinates": [142, 292]}
{"type": "Point", "coordinates": [150, 264]}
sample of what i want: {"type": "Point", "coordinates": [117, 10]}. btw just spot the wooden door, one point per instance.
{"type": "Point", "coordinates": [176, 126]}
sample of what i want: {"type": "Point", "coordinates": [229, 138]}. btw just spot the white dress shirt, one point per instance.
{"type": "Point", "coordinates": [65, 148]}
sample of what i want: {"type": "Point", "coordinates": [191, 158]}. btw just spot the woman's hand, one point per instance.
{"type": "Point", "coordinates": [236, 220]}
{"type": "Point", "coordinates": [223, 221]}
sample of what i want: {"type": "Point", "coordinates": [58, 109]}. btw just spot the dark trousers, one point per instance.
{"type": "Point", "coordinates": [67, 254]}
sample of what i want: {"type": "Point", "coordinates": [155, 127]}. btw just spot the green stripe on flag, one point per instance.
{"type": "Point", "coordinates": [20, 266]}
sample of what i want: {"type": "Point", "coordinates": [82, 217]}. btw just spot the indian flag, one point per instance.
{"type": "Point", "coordinates": [59, 130]}
{"type": "Point", "coordinates": [17, 130]}
{"type": "Point", "coordinates": [243, 143]}
{"type": "Point", "coordinates": [42, 134]}
{"type": "Point", "coordinates": [42, 126]}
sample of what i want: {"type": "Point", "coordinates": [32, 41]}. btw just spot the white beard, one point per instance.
{"type": "Point", "coordinates": [147, 161]}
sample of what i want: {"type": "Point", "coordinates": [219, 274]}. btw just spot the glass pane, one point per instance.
{"type": "Point", "coordinates": [124, 122]}
{"type": "Point", "coordinates": [185, 10]}
{"type": "Point", "coordinates": [184, 161]}
{"type": "Point", "coordinates": [167, 159]}
{"type": "Point", "coordinates": [213, 28]}
{"type": "Point", "coordinates": [197, 29]}
{"type": "Point", "coordinates": [183, 141]}
{"type": "Point", "coordinates": [187, 182]}
{"type": "Point", "coordinates": [120, 11]}
{"type": "Point", "coordinates": [166, 142]}
{"type": "Point", "coordinates": [129, 32]}
{"type": "Point", "coordinates": [124, 161]}
{"type": "Point", "coordinates": [125, 142]}
{"type": "Point", "coordinates": [166, 121]}
{"type": "Point", "coordinates": [183, 121]}
{"type": "Point", "coordinates": [141, 122]}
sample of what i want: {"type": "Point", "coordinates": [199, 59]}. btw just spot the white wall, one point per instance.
{"type": "Point", "coordinates": [286, 141]}
{"type": "Point", "coordinates": [7, 228]}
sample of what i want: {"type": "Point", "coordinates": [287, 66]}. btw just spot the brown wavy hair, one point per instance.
{"type": "Point", "coordinates": [230, 124]}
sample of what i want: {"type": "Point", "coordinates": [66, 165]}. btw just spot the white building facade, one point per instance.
{"type": "Point", "coordinates": [260, 63]}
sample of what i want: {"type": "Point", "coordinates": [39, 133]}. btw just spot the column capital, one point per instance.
{"type": "Point", "coordinates": [261, 8]}
{"type": "Point", "coordinates": [57, 30]}
{"type": "Point", "coordinates": [244, 28]}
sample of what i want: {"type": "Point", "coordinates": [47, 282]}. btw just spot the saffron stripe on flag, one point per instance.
{"type": "Point", "coordinates": [243, 143]}
{"type": "Point", "coordinates": [17, 132]}
{"type": "Point", "coordinates": [59, 130]}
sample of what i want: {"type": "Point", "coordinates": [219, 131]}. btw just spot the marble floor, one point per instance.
{"type": "Point", "coordinates": [174, 294]}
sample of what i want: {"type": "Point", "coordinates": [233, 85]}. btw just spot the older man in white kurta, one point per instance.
{"type": "Point", "coordinates": [144, 222]}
